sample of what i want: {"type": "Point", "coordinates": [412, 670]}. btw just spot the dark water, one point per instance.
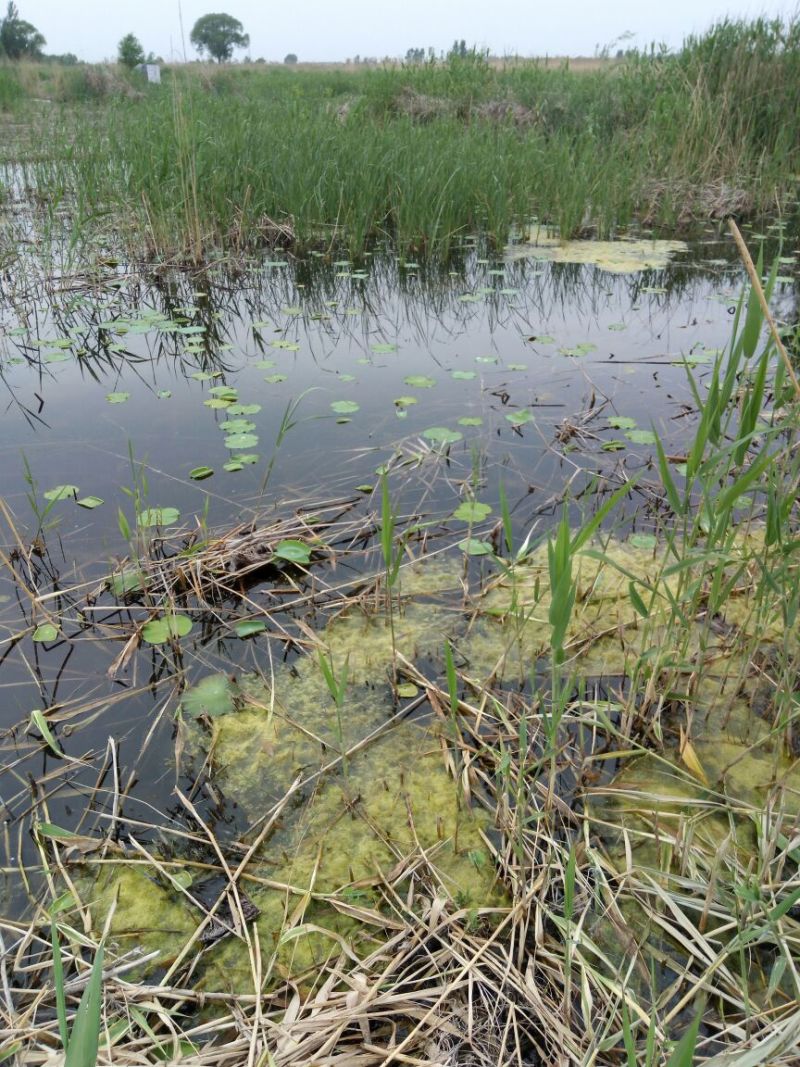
{"type": "Point", "coordinates": [563, 347]}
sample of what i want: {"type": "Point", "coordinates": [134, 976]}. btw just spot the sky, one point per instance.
{"type": "Point", "coordinates": [319, 30]}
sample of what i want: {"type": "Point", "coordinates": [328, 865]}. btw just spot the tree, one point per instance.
{"type": "Point", "coordinates": [218, 35]}
{"type": "Point", "coordinates": [290, 58]}
{"type": "Point", "coordinates": [129, 51]}
{"type": "Point", "coordinates": [18, 37]}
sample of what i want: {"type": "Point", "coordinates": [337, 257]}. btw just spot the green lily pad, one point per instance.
{"type": "Point", "coordinates": [383, 349]}
{"type": "Point", "coordinates": [128, 580]}
{"type": "Point", "coordinates": [407, 690]}
{"type": "Point", "coordinates": [199, 473]}
{"type": "Point", "coordinates": [117, 398]}
{"type": "Point", "coordinates": [61, 492]}
{"type": "Point", "coordinates": [275, 379]}
{"type": "Point", "coordinates": [168, 627]}
{"type": "Point", "coordinates": [90, 502]}
{"type": "Point", "coordinates": [405, 401]}
{"type": "Point", "coordinates": [158, 517]}
{"type": "Point", "coordinates": [517, 366]}
{"type": "Point", "coordinates": [473, 547]}
{"type": "Point", "coordinates": [232, 465]}
{"type": "Point", "coordinates": [470, 420]}
{"type": "Point", "coordinates": [641, 437]}
{"type": "Point", "coordinates": [45, 633]}
{"type": "Point", "coordinates": [615, 445]}
{"type": "Point", "coordinates": [641, 540]}
{"type": "Point", "coordinates": [420, 381]}
{"type": "Point", "coordinates": [164, 394]}
{"type": "Point", "coordinates": [472, 511]}
{"type": "Point", "coordinates": [212, 696]}
{"type": "Point", "coordinates": [237, 426]}
{"type": "Point", "coordinates": [217, 403]}
{"type": "Point", "coordinates": [520, 418]}
{"type": "Point", "coordinates": [621, 422]}
{"type": "Point", "coordinates": [289, 346]}
{"type": "Point", "coordinates": [441, 435]}
{"type": "Point", "coordinates": [244, 409]}
{"type": "Point", "coordinates": [246, 459]}
{"type": "Point", "coordinates": [293, 552]}
{"type": "Point", "coordinates": [225, 392]}
{"type": "Point", "coordinates": [463, 375]}
{"type": "Point", "coordinates": [344, 407]}
{"type": "Point", "coordinates": [241, 440]}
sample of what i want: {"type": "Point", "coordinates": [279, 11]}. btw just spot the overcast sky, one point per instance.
{"type": "Point", "coordinates": [337, 29]}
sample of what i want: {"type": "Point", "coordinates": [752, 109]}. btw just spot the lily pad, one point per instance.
{"type": "Point", "coordinates": [211, 696]}
{"type": "Point", "coordinates": [293, 551]}
{"type": "Point", "coordinates": [45, 633]}
{"type": "Point", "coordinates": [117, 398]}
{"type": "Point", "coordinates": [405, 401]}
{"type": "Point", "coordinates": [420, 381]}
{"type": "Point", "coordinates": [241, 440]}
{"type": "Point", "coordinates": [383, 349]}
{"type": "Point", "coordinates": [246, 459]}
{"type": "Point", "coordinates": [473, 547]}
{"type": "Point", "coordinates": [168, 627]}
{"type": "Point", "coordinates": [621, 422]}
{"type": "Point", "coordinates": [470, 420]}
{"type": "Point", "coordinates": [61, 492]}
{"type": "Point", "coordinates": [237, 426]}
{"type": "Point", "coordinates": [90, 502]}
{"type": "Point", "coordinates": [199, 473]}
{"type": "Point", "coordinates": [244, 409]}
{"type": "Point", "coordinates": [463, 375]}
{"type": "Point", "coordinates": [344, 407]}
{"type": "Point", "coordinates": [407, 690]}
{"type": "Point", "coordinates": [641, 437]}
{"type": "Point", "coordinates": [275, 379]}
{"type": "Point", "coordinates": [158, 517]}
{"type": "Point", "coordinates": [472, 511]}
{"type": "Point", "coordinates": [441, 435]}
{"type": "Point", "coordinates": [290, 346]}
{"type": "Point", "coordinates": [520, 418]}
{"type": "Point", "coordinates": [642, 540]}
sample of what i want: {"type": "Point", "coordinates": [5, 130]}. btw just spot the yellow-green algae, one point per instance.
{"type": "Point", "coordinates": [619, 257]}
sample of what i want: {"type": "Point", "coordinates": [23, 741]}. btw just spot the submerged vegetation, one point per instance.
{"type": "Point", "coordinates": [232, 159]}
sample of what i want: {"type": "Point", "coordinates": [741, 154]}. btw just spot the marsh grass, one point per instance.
{"type": "Point", "coordinates": [236, 159]}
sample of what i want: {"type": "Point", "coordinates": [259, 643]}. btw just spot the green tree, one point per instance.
{"type": "Point", "coordinates": [218, 35]}
{"type": "Point", "coordinates": [130, 51]}
{"type": "Point", "coordinates": [290, 58]}
{"type": "Point", "coordinates": [19, 38]}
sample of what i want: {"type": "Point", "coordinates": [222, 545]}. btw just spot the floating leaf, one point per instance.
{"type": "Point", "coordinates": [117, 398]}
{"type": "Point", "coordinates": [405, 401]}
{"type": "Point", "coordinates": [290, 346]}
{"type": "Point", "coordinates": [520, 418]}
{"type": "Point", "coordinates": [45, 633]}
{"type": "Point", "coordinates": [441, 435]}
{"type": "Point", "coordinates": [344, 407]}
{"type": "Point", "coordinates": [237, 426]}
{"type": "Point", "coordinates": [244, 409]}
{"type": "Point", "coordinates": [248, 627]}
{"type": "Point", "coordinates": [199, 473]}
{"type": "Point", "coordinates": [217, 403]}
{"type": "Point", "coordinates": [125, 581]}
{"type": "Point", "coordinates": [158, 517]}
{"type": "Point", "coordinates": [463, 375]}
{"type": "Point", "coordinates": [241, 440]}
{"type": "Point", "coordinates": [164, 394]}
{"type": "Point", "coordinates": [542, 339]}
{"type": "Point", "coordinates": [518, 366]}
{"type": "Point", "coordinates": [261, 325]}
{"type": "Point", "coordinates": [420, 381]}
{"type": "Point", "coordinates": [641, 437]}
{"type": "Point", "coordinates": [159, 631]}
{"type": "Point", "coordinates": [383, 349]}
{"type": "Point", "coordinates": [621, 422]}
{"type": "Point", "coordinates": [61, 492]}
{"type": "Point", "coordinates": [614, 445]}
{"type": "Point", "coordinates": [470, 420]}
{"type": "Point", "coordinates": [473, 547]}
{"type": "Point", "coordinates": [246, 459]}
{"type": "Point", "coordinates": [274, 379]}
{"type": "Point", "coordinates": [617, 326]}
{"type": "Point", "coordinates": [472, 511]}
{"type": "Point", "coordinates": [293, 551]}
{"type": "Point", "coordinates": [407, 690]}
{"type": "Point", "coordinates": [231, 466]}
{"type": "Point", "coordinates": [225, 392]}
{"type": "Point", "coordinates": [292, 310]}
{"type": "Point", "coordinates": [90, 502]}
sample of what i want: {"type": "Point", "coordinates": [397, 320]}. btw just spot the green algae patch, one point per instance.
{"type": "Point", "coordinates": [618, 257]}
{"type": "Point", "coordinates": [395, 818]}
{"type": "Point", "coordinates": [148, 917]}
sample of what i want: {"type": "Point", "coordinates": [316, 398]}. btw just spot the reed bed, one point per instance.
{"type": "Point", "coordinates": [240, 158]}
